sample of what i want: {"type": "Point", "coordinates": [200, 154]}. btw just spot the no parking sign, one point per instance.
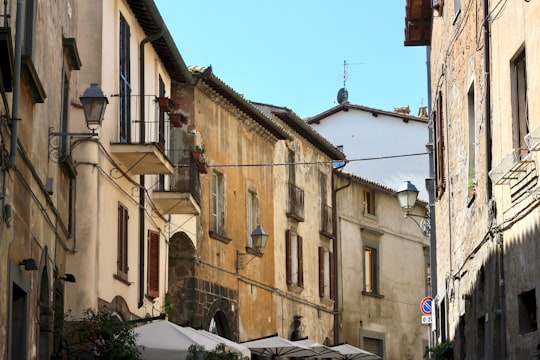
{"type": "Point", "coordinates": [426, 305]}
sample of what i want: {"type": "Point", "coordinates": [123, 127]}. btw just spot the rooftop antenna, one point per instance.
{"type": "Point", "coordinates": [343, 94]}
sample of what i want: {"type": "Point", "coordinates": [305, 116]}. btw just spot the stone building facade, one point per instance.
{"type": "Point", "coordinates": [483, 117]}
{"type": "Point", "coordinates": [384, 270]}
{"type": "Point", "coordinates": [36, 232]}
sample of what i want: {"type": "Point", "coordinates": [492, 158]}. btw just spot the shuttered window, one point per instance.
{"type": "Point", "coordinates": [294, 265]}
{"type": "Point", "coordinates": [438, 133]}
{"type": "Point", "coordinates": [326, 273]}
{"type": "Point", "coordinates": [122, 257]}
{"type": "Point", "coordinates": [153, 264]}
{"type": "Point", "coordinates": [374, 346]}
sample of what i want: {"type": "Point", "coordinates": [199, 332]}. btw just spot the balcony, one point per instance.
{"type": "Point", "coordinates": [179, 193]}
{"type": "Point", "coordinates": [295, 208]}
{"type": "Point", "coordinates": [143, 157]}
{"type": "Point", "coordinates": [513, 167]}
{"type": "Point", "coordinates": [327, 221]}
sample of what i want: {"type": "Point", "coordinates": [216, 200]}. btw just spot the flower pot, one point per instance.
{"type": "Point", "coordinates": [197, 155]}
{"type": "Point", "coordinates": [203, 167]}
{"type": "Point", "coordinates": [164, 104]}
{"type": "Point", "coordinates": [177, 120]}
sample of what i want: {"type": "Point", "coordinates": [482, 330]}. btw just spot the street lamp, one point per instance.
{"type": "Point", "coordinates": [93, 103]}
{"type": "Point", "coordinates": [259, 237]}
{"type": "Point", "coordinates": [407, 195]}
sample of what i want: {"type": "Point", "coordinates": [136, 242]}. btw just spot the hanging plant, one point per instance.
{"type": "Point", "coordinates": [164, 104]}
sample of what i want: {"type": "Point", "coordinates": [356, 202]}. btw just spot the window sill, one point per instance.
{"type": "Point", "coordinates": [31, 79]}
{"type": "Point", "coordinates": [216, 236]}
{"type": "Point", "coordinates": [327, 234]}
{"type": "Point", "coordinates": [327, 301]}
{"type": "Point", "coordinates": [295, 288]}
{"type": "Point", "coordinates": [371, 294]}
{"type": "Point", "coordinates": [122, 279]}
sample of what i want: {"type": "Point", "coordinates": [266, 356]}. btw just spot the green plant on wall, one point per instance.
{"type": "Point", "coordinates": [442, 351]}
{"type": "Point", "coordinates": [197, 352]}
{"type": "Point", "coordinates": [101, 335]}
{"type": "Point", "coordinates": [168, 306]}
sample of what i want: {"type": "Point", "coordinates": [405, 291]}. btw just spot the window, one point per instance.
{"type": "Point", "coordinates": [438, 135]}
{"type": "Point", "coordinates": [481, 337]}
{"type": "Point", "coordinates": [218, 203]}
{"type": "Point", "coordinates": [373, 342]}
{"type": "Point", "coordinates": [527, 312]}
{"type": "Point", "coordinates": [369, 202]}
{"type": "Point", "coordinates": [122, 258]}
{"type": "Point", "coordinates": [64, 126]}
{"type": "Point", "coordinates": [161, 130]}
{"type": "Point", "coordinates": [472, 143]}
{"type": "Point", "coordinates": [252, 215]}
{"type": "Point", "coordinates": [294, 262]}
{"type": "Point", "coordinates": [326, 273]}
{"type": "Point", "coordinates": [374, 346]}
{"type": "Point", "coordinates": [153, 264]}
{"type": "Point", "coordinates": [457, 9]}
{"type": "Point", "coordinates": [124, 97]}
{"type": "Point", "coordinates": [371, 269]}
{"type": "Point", "coordinates": [339, 163]}
{"type": "Point", "coordinates": [30, 28]}
{"type": "Point", "coordinates": [519, 101]}
{"type": "Point", "coordinates": [326, 210]}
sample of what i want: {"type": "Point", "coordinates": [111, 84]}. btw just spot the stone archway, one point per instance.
{"type": "Point", "coordinates": [221, 319]}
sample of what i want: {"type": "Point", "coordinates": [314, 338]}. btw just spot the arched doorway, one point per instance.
{"type": "Point", "coordinates": [219, 325]}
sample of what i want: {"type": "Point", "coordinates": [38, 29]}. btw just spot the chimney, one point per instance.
{"type": "Point", "coordinates": [403, 110]}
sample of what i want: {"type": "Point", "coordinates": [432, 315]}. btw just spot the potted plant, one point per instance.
{"type": "Point", "coordinates": [164, 104]}
{"type": "Point", "coordinates": [177, 119]}
{"type": "Point", "coordinates": [203, 167]}
{"type": "Point", "coordinates": [198, 153]}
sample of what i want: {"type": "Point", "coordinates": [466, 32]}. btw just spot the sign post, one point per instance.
{"type": "Point", "coordinates": [426, 306]}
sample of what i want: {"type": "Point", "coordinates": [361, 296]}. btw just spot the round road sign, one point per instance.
{"type": "Point", "coordinates": [426, 305]}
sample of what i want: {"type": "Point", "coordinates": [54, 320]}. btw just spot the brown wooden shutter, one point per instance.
{"type": "Point", "coordinates": [153, 264]}
{"type": "Point", "coordinates": [332, 274]}
{"type": "Point", "coordinates": [321, 271]}
{"type": "Point", "coordinates": [439, 136]}
{"type": "Point", "coordinates": [288, 258]}
{"type": "Point", "coordinates": [122, 249]}
{"type": "Point", "coordinates": [300, 262]}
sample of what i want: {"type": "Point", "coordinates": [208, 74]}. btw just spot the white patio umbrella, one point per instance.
{"type": "Point", "coordinates": [164, 340]}
{"type": "Point", "coordinates": [323, 351]}
{"type": "Point", "coordinates": [349, 352]}
{"type": "Point", "coordinates": [275, 346]}
{"type": "Point", "coordinates": [229, 344]}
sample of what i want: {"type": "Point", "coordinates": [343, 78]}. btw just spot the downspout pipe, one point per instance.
{"type": "Point", "coordinates": [335, 250]}
{"type": "Point", "coordinates": [16, 84]}
{"type": "Point", "coordinates": [142, 189]}
{"type": "Point", "coordinates": [489, 184]}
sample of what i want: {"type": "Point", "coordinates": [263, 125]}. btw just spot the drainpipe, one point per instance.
{"type": "Point", "coordinates": [335, 250]}
{"type": "Point", "coordinates": [17, 84]}
{"type": "Point", "coordinates": [142, 188]}
{"type": "Point", "coordinates": [489, 184]}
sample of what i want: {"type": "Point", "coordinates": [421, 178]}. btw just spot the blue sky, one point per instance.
{"type": "Point", "coordinates": [291, 52]}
